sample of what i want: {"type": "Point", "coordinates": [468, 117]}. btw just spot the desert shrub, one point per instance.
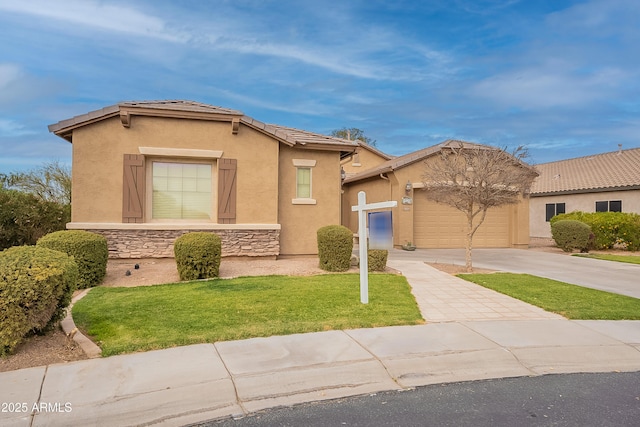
{"type": "Point", "coordinates": [89, 250]}
{"type": "Point", "coordinates": [571, 234]}
{"type": "Point", "coordinates": [335, 245]}
{"type": "Point", "coordinates": [198, 255]}
{"type": "Point", "coordinates": [24, 218]}
{"type": "Point", "coordinates": [377, 259]}
{"type": "Point", "coordinates": [36, 285]}
{"type": "Point", "coordinates": [610, 229]}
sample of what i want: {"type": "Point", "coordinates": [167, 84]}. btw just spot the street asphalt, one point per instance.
{"type": "Point", "coordinates": [470, 334]}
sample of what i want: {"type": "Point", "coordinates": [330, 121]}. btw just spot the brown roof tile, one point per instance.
{"type": "Point", "coordinates": [606, 171]}
{"type": "Point", "coordinates": [303, 137]}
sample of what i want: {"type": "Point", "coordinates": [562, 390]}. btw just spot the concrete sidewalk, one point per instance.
{"type": "Point", "coordinates": [446, 298]}
{"type": "Point", "coordinates": [184, 385]}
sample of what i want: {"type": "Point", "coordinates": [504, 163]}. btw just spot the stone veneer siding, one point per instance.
{"type": "Point", "coordinates": [159, 243]}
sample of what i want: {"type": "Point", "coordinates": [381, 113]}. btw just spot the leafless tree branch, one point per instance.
{"type": "Point", "coordinates": [474, 178]}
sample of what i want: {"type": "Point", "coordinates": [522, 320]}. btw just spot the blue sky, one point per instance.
{"type": "Point", "coordinates": [560, 77]}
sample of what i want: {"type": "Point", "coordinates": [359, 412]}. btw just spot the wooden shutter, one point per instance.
{"type": "Point", "coordinates": [227, 169]}
{"type": "Point", "coordinates": [133, 189]}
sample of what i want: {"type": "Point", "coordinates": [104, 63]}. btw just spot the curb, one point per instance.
{"type": "Point", "coordinates": [69, 327]}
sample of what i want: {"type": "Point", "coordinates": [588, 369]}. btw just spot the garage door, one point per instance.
{"type": "Point", "coordinates": [437, 225]}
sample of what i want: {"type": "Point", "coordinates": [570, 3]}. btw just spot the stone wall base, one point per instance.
{"type": "Point", "coordinates": [159, 243]}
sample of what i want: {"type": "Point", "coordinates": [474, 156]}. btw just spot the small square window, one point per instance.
{"type": "Point", "coordinates": [602, 206]}
{"type": "Point", "coordinates": [615, 206]}
{"type": "Point", "coordinates": [304, 182]}
{"type": "Point", "coordinates": [550, 211]}
{"type": "Point", "coordinates": [553, 209]}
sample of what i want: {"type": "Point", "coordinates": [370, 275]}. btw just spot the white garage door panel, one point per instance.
{"type": "Point", "coordinates": [439, 226]}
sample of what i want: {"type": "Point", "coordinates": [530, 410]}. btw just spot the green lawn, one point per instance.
{"type": "Point", "coordinates": [570, 301]}
{"type": "Point", "coordinates": [632, 259]}
{"type": "Point", "coordinates": [152, 317]}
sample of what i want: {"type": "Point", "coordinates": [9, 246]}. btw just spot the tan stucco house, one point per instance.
{"type": "Point", "coordinates": [425, 223]}
{"type": "Point", "coordinates": [599, 183]}
{"type": "Point", "coordinates": [146, 172]}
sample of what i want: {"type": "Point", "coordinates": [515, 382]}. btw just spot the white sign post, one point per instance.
{"type": "Point", "coordinates": [361, 208]}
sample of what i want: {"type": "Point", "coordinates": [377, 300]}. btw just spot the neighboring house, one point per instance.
{"type": "Point", "coordinates": [146, 172]}
{"type": "Point", "coordinates": [425, 223]}
{"type": "Point", "coordinates": [365, 157]}
{"type": "Point", "coordinates": [599, 183]}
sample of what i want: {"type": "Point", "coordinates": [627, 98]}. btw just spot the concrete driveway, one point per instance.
{"type": "Point", "coordinates": [617, 277]}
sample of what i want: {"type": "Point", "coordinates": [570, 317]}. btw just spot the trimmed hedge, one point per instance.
{"type": "Point", "coordinates": [36, 285]}
{"type": "Point", "coordinates": [377, 259]}
{"type": "Point", "coordinates": [571, 234]}
{"type": "Point", "coordinates": [610, 229]}
{"type": "Point", "coordinates": [335, 245]}
{"type": "Point", "coordinates": [198, 255]}
{"type": "Point", "coordinates": [89, 250]}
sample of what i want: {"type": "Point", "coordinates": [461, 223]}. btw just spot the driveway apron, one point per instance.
{"type": "Point", "coordinates": [609, 276]}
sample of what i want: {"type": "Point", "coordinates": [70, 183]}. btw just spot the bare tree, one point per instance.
{"type": "Point", "coordinates": [473, 178]}
{"type": "Point", "coordinates": [50, 182]}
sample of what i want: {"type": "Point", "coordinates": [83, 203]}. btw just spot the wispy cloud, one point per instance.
{"type": "Point", "coordinates": [8, 74]}
{"type": "Point", "coordinates": [94, 14]}
{"type": "Point", "coordinates": [548, 74]}
{"type": "Point", "coordinates": [550, 86]}
{"type": "Point", "coordinates": [308, 107]}
{"type": "Point", "coordinates": [347, 46]}
{"type": "Point", "coordinates": [10, 128]}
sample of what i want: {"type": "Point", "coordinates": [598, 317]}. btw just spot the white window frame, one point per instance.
{"type": "Point", "coordinates": [304, 164]}
{"type": "Point", "coordinates": [213, 218]}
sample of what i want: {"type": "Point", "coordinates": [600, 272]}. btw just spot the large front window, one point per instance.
{"type": "Point", "coordinates": [181, 191]}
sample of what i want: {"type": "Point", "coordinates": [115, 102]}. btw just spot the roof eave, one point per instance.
{"type": "Point", "coordinates": [263, 128]}
{"type": "Point", "coordinates": [368, 174]}
{"type": "Point", "coordinates": [585, 191]}
{"type": "Point", "coordinates": [125, 110]}
{"type": "Point", "coordinates": [374, 150]}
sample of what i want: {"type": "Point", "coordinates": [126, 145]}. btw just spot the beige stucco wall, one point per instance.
{"type": "Point", "coordinates": [98, 151]}
{"type": "Point", "coordinates": [577, 202]}
{"type": "Point", "coordinates": [393, 188]}
{"type": "Point", "coordinates": [364, 160]}
{"type": "Point", "coordinates": [300, 222]}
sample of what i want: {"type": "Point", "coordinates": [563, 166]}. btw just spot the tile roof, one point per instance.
{"type": "Point", "coordinates": [407, 159]}
{"type": "Point", "coordinates": [181, 108]}
{"type": "Point", "coordinates": [181, 105]}
{"type": "Point", "coordinates": [297, 136]}
{"type": "Point", "coordinates": [114, 110]}
{"type": "Point", "coordinates": [604, 172]}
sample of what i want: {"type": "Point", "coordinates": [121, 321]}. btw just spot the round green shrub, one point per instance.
{"type": "Point", "coordinates": [610, 229]}
{"type": "Point", "coordinates": [36, 285]}
{"type": "Point", "coordinates": [571, 234]}
{"type": "Point", "coordinates": [89, 250]}
{"type": "Point", "coordinates": [198, 255]}
{"type": "Point", "coordinates": [377, 259]}
{"type": "Point", "coordinates": [335, 245]}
